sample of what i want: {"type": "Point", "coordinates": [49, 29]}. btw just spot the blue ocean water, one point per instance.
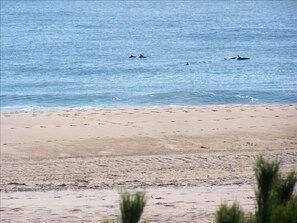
{"type": "Point", "coordinates": [74, 54]}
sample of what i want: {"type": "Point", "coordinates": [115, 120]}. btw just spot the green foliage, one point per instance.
{"type": "Point", "coordinates": [266, 175]}
{"type": "Point", "coordinates": [286, 213]}
{"type": "Point", "coordinates": [132, 206]}
{"type": "Point", "coordinates": [276, 202]}
{"type": "Point", "coordinates": [229, 214]}
{"type": "Point", "coordinates": [284, 188]}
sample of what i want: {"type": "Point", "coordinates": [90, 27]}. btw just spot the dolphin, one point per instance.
{"type": "Point", "coordinates": [242, 58]}
{"type": "Point", "coordinates": [237, 58]}
{"type": "Point", "coordinates": [141, 56]}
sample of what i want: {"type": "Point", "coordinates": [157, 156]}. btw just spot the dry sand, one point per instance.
{"type": "Point", "coordinates": [188, 159]}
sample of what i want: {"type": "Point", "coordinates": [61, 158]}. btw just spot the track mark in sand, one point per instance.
{"type": "Point", "coordinates": [16, 209]}
{"type": "Point", "coordinates": [42, 126]}
{"type": "Point", "coordinates": [156, 197]}
{"type": "Point", "coordinates": [76, 210]}
{"type": "Point", "coordinates": [16, 184]}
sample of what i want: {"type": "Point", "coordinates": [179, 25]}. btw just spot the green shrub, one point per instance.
{"type": "Point", "coordinates": [286, 213]}
{"type": "Point", "coordinates": [229, 214]}
{"type": "Point", "coordinates": [284, 188]}
{"type": "Point", "coordinates": [266, 175]}
{"type": "Point", "coordinates": [132, 206]}
{"type": "Point", "coordinates": [275, 199]}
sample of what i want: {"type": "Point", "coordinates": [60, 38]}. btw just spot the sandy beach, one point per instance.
{"type": "Point", "coordinates": [171, 152]}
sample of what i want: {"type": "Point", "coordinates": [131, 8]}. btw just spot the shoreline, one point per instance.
{"type": "Point", "coordinates": [55, 109]}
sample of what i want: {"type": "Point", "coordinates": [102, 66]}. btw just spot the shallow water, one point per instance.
{"type": "Point", "coordinates": [74, 54]}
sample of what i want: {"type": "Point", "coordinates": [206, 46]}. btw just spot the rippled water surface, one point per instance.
{"type": "Point", "coordinates": [57, 54]}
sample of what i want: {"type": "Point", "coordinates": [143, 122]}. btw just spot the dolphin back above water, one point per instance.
{"type": "Point", "coordinates": [237, 58]}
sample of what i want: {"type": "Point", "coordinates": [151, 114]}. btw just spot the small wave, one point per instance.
{"type": "Point", "coordinates": [250, 98]}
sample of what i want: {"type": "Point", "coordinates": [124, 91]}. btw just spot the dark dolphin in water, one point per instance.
{"type": "Point", "coordinates": [132, 56]}
{"type": "Point", "coordinates": [242, 58]}
{"type": "Point", "coordinates": [141, 56]}
{"type": "Point", "coordinates": [237, 58]}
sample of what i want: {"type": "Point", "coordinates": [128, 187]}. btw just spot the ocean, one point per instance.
{"type": "Point", "coordinates": [75, 54]}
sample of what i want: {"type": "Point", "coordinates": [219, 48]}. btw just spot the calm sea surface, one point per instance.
{"type": "Point", "coordinates": [74, 54]}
